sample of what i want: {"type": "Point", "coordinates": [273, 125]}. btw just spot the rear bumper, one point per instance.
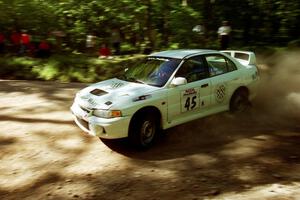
{"type": "Point", "coordinates": [112, 128]}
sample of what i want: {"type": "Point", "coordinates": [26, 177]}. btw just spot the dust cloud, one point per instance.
{"type": "Point", "coordinates": [278, 96]}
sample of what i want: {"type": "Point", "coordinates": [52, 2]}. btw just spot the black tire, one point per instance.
{"type": "Point", "coordinates": [239, 102]}
{"type": "Point", "coordinates": [144, 129]}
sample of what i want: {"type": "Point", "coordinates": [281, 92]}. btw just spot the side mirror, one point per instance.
{"type": "Point", "coordinates": [178, 81]}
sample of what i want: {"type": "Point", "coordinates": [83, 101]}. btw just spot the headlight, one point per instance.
{"type": "Point", "coordinates": [107, 113]}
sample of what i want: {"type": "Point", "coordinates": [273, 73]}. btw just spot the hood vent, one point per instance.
{"type": "Point", "coordinates": [108, 103]}
{"type": "Point", "coordinates": [98, 92]}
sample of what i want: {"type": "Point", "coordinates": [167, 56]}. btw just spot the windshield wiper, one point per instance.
{"type": "Point", "coordinates": [132, 79]}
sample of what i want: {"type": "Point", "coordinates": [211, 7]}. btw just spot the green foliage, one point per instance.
{"type": "Point", "coordinates": [158, 24]}
{"type": "Point", "coordinates": [65, 68]}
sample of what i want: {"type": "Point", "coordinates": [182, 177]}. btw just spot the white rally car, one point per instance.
{"type": "Point", "coordinates": [164, 90]}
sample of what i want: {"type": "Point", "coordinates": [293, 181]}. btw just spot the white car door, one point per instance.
{"type": "Point", "coordinates": [187, 101]}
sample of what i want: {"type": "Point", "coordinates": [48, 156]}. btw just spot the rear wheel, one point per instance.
{"type": "Point", "coordinates": [239, 101]}
{"type": "Point", "coordinates": [144, 129]}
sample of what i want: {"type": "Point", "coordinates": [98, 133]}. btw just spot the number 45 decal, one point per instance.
{"type": "Point", "coordinates": [189, 99]}
{"type": "Point", "coordinates": [190, 103]}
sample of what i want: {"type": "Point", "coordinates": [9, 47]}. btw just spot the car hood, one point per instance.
{"type": "Point", "coordinates": [112, 92]}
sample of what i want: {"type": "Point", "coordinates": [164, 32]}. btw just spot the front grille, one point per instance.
{"type": "Point", "coordinates": [84, 123]}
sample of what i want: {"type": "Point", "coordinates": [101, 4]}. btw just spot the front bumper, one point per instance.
{"type": "Point", "coordinates": [112, 128]}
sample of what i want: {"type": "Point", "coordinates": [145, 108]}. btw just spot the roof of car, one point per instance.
{"type": "Point", "coordinates": [182, 53]}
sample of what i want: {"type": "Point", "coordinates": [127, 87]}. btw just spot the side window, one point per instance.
{"type": "Point", "coordinates": [219, 64]}
{"type": "Point", "coordinates": [193, 69]}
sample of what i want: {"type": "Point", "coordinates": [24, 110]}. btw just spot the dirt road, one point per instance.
{"type": "Point", "coordinates": [255, 155]}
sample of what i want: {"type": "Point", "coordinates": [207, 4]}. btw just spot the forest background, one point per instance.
{"type": "Point", "coordinates": [257, 25]}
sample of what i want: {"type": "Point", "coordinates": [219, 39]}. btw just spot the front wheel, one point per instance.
{"type": "Point", "coordinates": [143, 130]}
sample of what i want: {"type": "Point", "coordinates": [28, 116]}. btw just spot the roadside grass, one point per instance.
{"type": "Point", "coordinates": [64, 67]}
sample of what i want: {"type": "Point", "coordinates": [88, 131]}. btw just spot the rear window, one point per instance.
{"type": "Point", "coordinates": [242, 56]}
{"type": "Point", "coordinates": [219, 64]}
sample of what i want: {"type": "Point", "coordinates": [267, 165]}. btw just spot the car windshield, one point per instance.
{"type": "Point", "coordinates": [152, 71]}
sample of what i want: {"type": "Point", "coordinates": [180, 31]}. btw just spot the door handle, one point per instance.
{"type": "Point", "coordinates": [204, 85]}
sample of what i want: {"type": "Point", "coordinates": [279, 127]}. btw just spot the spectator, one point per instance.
{"type": "Point", "coordinates": [2, 43]}
{"type": "Point", "coordinates": [25, 42]}
{"type": "Point", "coordinates": [224, 34]}
{"type": "Point", "coordinates": [32, 49]}
{"type": "Point", "coordinates": [200, 31]}
{"type": "Point", "coordinates": [15, 39]}
{"type": "Point", "coordinates": [43, 49]}
{"type": "Point", "coordinates": [90, 43]}
{"type": "Point", "coordinates": [104, 51]}
{"type": "Point", "coordinates": [116, 41]}
{"type": "Point", "coordinates": [59, 35]}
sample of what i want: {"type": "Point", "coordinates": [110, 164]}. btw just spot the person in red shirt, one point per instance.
{"type": "Point", "coordinates": [104, 51]}
{"type": "Point", "coordinates": [15, 39]}
{"type": "Point", "coordinates": [2, 44]}
{"type": "Point", "coordinates": [25, 42]}
{"type": "Point", "coordinates": [43, 49]}
{"type": "Point", "coordinates": [44, 45]}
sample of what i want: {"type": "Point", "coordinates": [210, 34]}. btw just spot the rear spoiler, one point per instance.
{"type": "Point", "coordinates": [244, 57]}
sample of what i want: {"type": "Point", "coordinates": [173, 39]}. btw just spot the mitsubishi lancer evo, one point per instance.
{"type": "Point", "coordinates": [166, 89]}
